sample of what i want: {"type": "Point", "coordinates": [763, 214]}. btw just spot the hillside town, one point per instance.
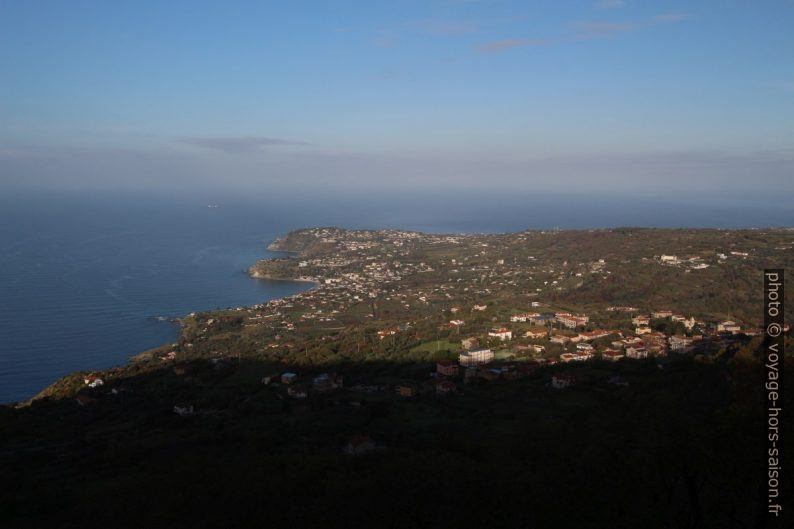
{"type": "Point", "coordinates": [531, 355]}
{"type": "Point", "coordinates": [472, 307]}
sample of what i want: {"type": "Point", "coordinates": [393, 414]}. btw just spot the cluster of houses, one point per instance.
{"type": "Point", "coordinates": [477, 362]}
{"type": "Point", "coordinates": [366, 265]}
{"type": "Point", "coordinates": [643, 343]}
{"type": "Point", "coordinates": [370, 269]}
{"type": "Point", "coordinates": [528, 317]}
{"type": "Point", "coordinates": [691, 263]}
{"type": "Point", "coordinates": [93, 381]}
{"type": "Point", "coordinates": [643, 321]}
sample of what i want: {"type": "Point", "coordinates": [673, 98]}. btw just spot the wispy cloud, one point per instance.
{"type": "Point", "coordinates": [449, 27]}
{"type": "Point", "coordinates": [586, 30]}
{"type": "Point", "coordinates": [499, 46]}
{"type": "Point", "coordinates": [388, 38]}
{"type": "Point", "coordinates": [670, 17]}
{"type": "Point", "coordinates": [237, 145]}
{"type": "Point", "coordinates": [597, 29]}
{"type": "Point", "coordinates": [609, 4]}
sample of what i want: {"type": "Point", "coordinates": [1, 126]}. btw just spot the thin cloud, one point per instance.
{"type": "Point", "coordinates": [598, 29]}
{"type": "Point", "coordinates": [238, 145]}
{"type": "Point", "coordinates": [446, 27]}
{"type": "Point", "coordinates": [586, 30]}
{"type": "Point", "coordinates": [387, 38]}
{"type": "Point", "coordinates": [670, 17]}
{"type": "Point", "coordinates": [499, 46]}
{"type": "Point", "coordinates": [609, 4]}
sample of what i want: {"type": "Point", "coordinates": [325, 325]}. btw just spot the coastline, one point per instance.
{"type": "Point", "coordinates": [348, 270]}
{"type": "Point", "coordinates": [254, 274]}
{"type": "Point", "coordinates": [149, 354]}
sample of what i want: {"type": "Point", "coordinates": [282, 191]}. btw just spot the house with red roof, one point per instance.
{"type": "Point", "coordinates": [570, 320]}
{"type": "Point", "coordinates": [612, 355]}
{"type": "Point", "coordinates": [501, 333]}
{"type": "Point", "coordinates": [536, 333]}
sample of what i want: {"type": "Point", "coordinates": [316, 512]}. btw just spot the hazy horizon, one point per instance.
{"type": "Point", "coordinates": [675, 100]}
{"type": "Point", "coordinates": [453, 211]}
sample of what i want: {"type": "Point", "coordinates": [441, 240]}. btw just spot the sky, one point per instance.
{"type": "Point", "coordinates": [599, 96]}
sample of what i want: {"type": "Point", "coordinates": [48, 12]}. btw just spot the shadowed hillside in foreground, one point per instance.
{"type": "Point", "coordinates": [631, 443]}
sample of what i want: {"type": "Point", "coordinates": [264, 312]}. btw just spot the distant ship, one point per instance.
{"type": "Point", "coordinates": [212, 205]}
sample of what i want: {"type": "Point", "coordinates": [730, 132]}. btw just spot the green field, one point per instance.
{"type": "Point", "coordinates": [436, 345]}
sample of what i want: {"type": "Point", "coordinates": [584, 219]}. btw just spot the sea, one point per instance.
{"type": "Point", "coordinates": [89, 279]}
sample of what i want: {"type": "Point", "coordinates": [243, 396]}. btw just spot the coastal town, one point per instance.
{"type": "Point", "coordinates": [464, 309]}
{"type": "Point", "coordinates": [412, 357]}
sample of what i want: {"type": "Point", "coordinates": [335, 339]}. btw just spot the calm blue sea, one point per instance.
{"type": "Point", "coordinates": [86, 281]}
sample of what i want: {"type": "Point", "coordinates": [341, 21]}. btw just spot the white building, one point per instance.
{"type": "Point", "coordinates": [637, 353]}
{"type": "Point", "coordinates": [680, 343]}
{"type": "Point", "coordinates": [728, 326]}
{"type": "Point", "coordinates": [501, 333]}
{"type": "Point", "coordinates": [640, 320]}
{"type": "Point", "coordinates": [570, 320]}
{"type": "Point", "coordinates": [476, 356]}
{"type": "Point", "coordinates": [523, 317]}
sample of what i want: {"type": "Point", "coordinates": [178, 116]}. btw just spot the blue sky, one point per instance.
{"type": "Point", "coordinates": [599, 95]}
